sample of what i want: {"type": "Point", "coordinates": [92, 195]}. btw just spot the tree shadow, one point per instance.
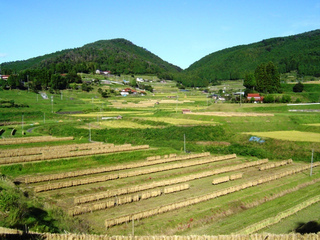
{"type": "Point", "coordinates": [309, 227]}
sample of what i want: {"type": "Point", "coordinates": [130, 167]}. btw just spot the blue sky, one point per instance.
{"type": "Point", "coordinates": [178, 31]}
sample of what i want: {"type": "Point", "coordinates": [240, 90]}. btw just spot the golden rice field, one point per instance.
{"type": "Point", "coordinates": [296, 136]}
{"type": "Point", "coordinates": [92, 100]}
{"type": "Point", "coordinates": [130, 124]}
{"type": "Point", "coordinates": [147, 103]}
{"type": "Point", "coordinates": [123, 124]}
{"type": "Point", "coordinates": [231, 114]}
{"type": "Point", "coordinates": [314, 124]}
{"type": "Point", "coordinates": [112, 114]}
{"type": "Point", "coordinates": [179, 121]}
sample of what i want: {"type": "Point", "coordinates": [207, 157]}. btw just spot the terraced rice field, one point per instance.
{"type": "Point", "coordinates": [290, 135]}
{"type": "Point", "coordinates": [179, 121]}
{"type": "Point", "coordinates": [231, 114]}
{"type": "Point", "coordinates": [123, 124]}
{"type": "Point", "coordinates": [175, 194]}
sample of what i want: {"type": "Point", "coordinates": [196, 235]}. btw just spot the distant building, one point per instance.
{"type": "Point", "coordinates": [5, 77]}
{"type": "Point", "coordinates": [256, 96]}
{"type": "Point", "coordinates": [124, 93]}
{"type": "Point", "coordinates": [184, 111]}
{"type": "Point", "coordinates": [102, 72]}
{"type": "Point", "coordinates": [105, 82]}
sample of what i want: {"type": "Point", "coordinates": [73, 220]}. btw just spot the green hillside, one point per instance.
{"type": "Point", "coordinates": [299, 53]}
{"type": "Point", "coordinates": [117, 55]}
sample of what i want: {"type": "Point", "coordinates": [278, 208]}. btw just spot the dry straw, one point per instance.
{"type": "Point", "coordinates": [8, 141]}
{"type": "Point", "coordinates": [273, 220]}
{"type": "Point", "coordinates": [56, 236]}
{"type": "Point", "coordinates": [65, 151]}
{"type": "Point", "coordinates": [51, 177]}
{"type": "Point", "coordinates": [90, 180]}
{"type": "Point", "coordinates": [125, 199]}
{"type": "Point", "coordinates": [222, 192]}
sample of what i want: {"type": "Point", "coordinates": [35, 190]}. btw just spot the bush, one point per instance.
{"type": "Point", "coordinates": [269, 99]}
{"type": "Point", "coordinates": [298, 87]}
{"type": "Point", "coordinates": [285, 99]}
{"type": "Point", "coordinates": [298, 100]}
{"type": "Point", "coordinates": [86, 87]}
{"type": "Point", "coordinates": [18, 210]}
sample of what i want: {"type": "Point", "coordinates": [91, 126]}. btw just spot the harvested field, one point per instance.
{"type": "Point", "coordinates": [123, 124]}
{"type": "Point", "coordinates": [120, 200]}
{"type": "Point", "coordinates": [8, 141]}
{"type": "Point", "coordinates": [162, 186]}
{"type": "Point", "coordinates": [179, 121]}
{"type": "Point", "coordinates": [231, 114]}
{"type": "Point", "coordinates": [66, 151]}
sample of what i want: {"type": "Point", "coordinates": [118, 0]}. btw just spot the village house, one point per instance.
{"type": "Point", "coordinates": [184, 111]}
{"type": "Point", "coordinates": [5, 77]}
{"type": "Point", "coordinates": [255, 96]}
{"type": "Point", "coordinates": [102, 72]}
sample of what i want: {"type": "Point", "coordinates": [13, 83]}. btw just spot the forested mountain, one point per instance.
{"type": "Point", "coordinates": [117, 55]}
{"type": "Point", "coordinates": [298, 52]}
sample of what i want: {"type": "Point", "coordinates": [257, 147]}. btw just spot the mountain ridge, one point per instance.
{"type": "Point", "coordinates": [300, 52]}
{"type": "Point", "coordinates": [119, 55]}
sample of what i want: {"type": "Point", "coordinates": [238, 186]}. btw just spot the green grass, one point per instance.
{"type": "Point", "coordinates": [289, 224]}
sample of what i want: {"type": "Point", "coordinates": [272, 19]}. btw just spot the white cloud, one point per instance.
{"type": "Point", "coordinates": [3, 55]}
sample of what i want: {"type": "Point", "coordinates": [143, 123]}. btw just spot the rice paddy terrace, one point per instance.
{"type": "Point", "coordinates": [149, 188]}
{"type": "Point", "coordinates": [172, 194]}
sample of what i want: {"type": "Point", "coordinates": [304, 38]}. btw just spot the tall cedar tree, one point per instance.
{"type": "Point", "coordinates": [249, 81]}
{"type": "Point", "coordinates": [267, 78]}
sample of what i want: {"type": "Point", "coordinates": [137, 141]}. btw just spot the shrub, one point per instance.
{"type": "Point", "coordinates": [285, 99]}
{"type": "Point", "coordinates": [298, 87]}
{"type": "Point", "coordinates": [298, 100]}
{"type": "Point", "coordinates": [269, 99]}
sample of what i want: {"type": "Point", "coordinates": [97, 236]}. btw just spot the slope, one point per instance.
{"type": "Point", "coordinates": [293, 53]}
{"type": "Point", "coordinates": [120, 56]}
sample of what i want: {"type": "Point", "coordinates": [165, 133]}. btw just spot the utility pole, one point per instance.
{"type": "Point", "coordinates": [89, 133]}
{"type": "Point", "coordinates": [184, 142]}
{"type": "Point", "coordinates": [22, 124]}
{"type": "Point", "coordinates": [132, 228]}
{"type": "Point", "coordinates": [51, 104]}
{"type": "Point", "coordinates": [311, 163]}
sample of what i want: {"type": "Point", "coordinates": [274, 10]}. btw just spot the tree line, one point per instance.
{"type": "Point", "coordinates": [40, 79]}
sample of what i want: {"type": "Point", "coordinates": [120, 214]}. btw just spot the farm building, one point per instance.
{"type": "Point", "coordinates": [256, 96]}
{"type": "Point", "coordinates": [4, 77]}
